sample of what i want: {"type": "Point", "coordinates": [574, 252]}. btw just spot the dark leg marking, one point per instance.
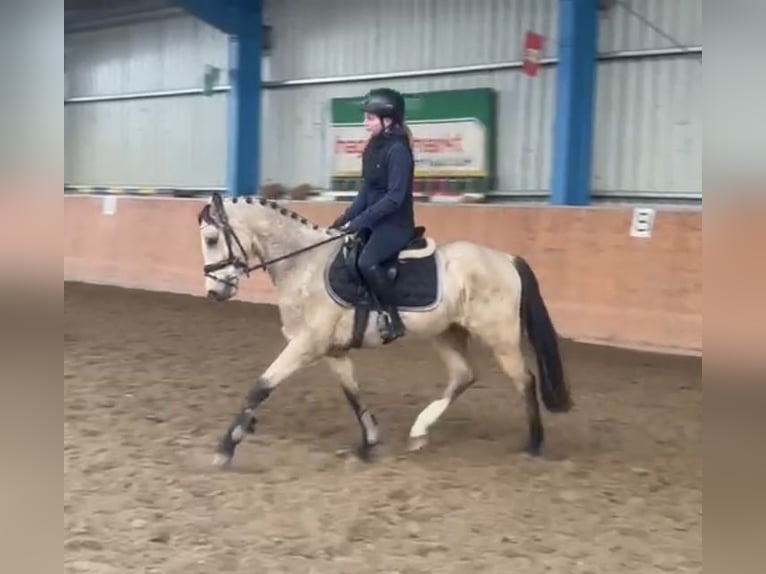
{"type": "Point", "coordinates": [366, 447]}
{"type": "Point", "coordinates": [259, 393]}
{"type": "Point", "coordinates": [536, 432]}
{"type": "Point", "coordinates": [462, 387]}
{"type": "Point", "coordinates": [244, 422]}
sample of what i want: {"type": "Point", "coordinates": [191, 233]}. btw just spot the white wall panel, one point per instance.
{"type": "Point", "coordinates": [168, 141]}
{"type": "Point", "coordinates": [162, 142]}
{"type": "Point", "coordinates": [648, 121]}
{"type": "Point", "coordinates": [681, 20]}
{"type": "Point", "coordinates": [345, 37]}
{"type": "Point", "coordinates": [164, 54]}
{"type": "Point", "coordinates": [648, 132]}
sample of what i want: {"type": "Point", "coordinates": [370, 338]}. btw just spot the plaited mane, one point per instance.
{"type": "Point", "coordinates": [206, 217]}
{"type": "Point", "coordinates": [283, 211]}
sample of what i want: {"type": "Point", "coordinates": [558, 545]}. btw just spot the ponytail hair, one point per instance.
{"type": "Point", "coordinates": [398, 126]}
{"type": "Point", "coordinates": [408, 133]}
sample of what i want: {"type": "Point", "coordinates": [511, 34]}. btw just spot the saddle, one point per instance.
{"type": "Point", "coordinates": [412, 272]}
{"type": "Point", "coordinates": [418, 247]}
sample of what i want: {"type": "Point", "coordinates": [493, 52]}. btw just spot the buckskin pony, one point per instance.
{"type": "Point", "coordinates": [446, 293]}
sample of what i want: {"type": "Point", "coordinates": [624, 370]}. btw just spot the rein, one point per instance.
{"type": "Point", "coordinates": [265, 264]}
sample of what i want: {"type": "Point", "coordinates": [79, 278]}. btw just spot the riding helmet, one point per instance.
{"type": "Point", "coordinates": [385, 103]}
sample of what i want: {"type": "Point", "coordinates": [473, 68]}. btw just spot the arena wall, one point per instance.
{"type": "Point", "coordinates": [648, 118]}
{"type": "Point", "coordinates": [602, 284]}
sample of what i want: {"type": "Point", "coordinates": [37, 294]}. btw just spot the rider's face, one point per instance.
{"type": "Point", "coordinates": [374, 124]}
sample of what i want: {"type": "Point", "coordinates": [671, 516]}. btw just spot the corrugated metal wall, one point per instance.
{"type": "Point", "coordinates": [346, 38]}
{"type": "Point", "coordinates": [648, 132]}
{"type": "Point", "coordinates": [170, 141]}
{"type": "Point", "coordinates": [342, 37]}
{"type": "Point", "coordinates": [301, 147]}
{"type": "Point", "coordinates": [137, 142]}
{"type": "Point", "coordinates": [648, 128]}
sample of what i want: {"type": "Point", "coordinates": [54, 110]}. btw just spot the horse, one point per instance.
{"type": "Point", "coordinates": [446, 293]}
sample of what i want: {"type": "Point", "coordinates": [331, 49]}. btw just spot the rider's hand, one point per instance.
{"type": "Point", "coordinates": [351, 227]}
{"type": "Point", "coordinates": [337, 224]}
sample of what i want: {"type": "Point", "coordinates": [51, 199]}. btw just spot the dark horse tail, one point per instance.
{"type": "Point", "coordinates": [542, 335]}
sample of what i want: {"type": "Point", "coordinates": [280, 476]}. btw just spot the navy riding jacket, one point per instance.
{"type": "Point", "coordinates": [385, 201]}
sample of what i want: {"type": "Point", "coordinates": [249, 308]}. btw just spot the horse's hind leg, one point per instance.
{"type": "Point", "coordinates": [512, 362]}
{"type": "Point", "coordinates": [344, 369]}
{"type": "Point", "coordinates": [452, 345]}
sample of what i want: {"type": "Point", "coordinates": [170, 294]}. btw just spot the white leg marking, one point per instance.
{"type": "Point", "coordinates": [428, 416]}
{"type": "Point", "coordinates": [238, 433]}
{"type": "Point", "coordinates": [370, 428]}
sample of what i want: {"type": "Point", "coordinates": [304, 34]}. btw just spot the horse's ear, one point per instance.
{"type": "Point", "coordinates": [204, 215]}
{"type": "Point", "coordinates": [217, 201]}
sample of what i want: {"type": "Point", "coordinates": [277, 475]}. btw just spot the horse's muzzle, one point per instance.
{"type": "Point", "coordinates": [211, 294]}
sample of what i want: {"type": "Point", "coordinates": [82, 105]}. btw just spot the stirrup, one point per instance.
{"type": "Point", "coordinates": [386, 327]}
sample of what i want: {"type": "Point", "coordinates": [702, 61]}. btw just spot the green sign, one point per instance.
{"type": "Point", "coordinates": [453, 132]}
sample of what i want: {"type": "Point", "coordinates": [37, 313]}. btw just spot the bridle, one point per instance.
{"type": "Point", "coordinates": [229, 235]}
{"type": "Point", "coordinates": [243, 264]}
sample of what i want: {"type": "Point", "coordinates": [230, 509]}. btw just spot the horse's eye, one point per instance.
{"type": "Point", "coordinates": [211, 241]}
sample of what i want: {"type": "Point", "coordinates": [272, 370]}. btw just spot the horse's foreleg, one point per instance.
{"type": "Point", "coordinates": [344, 369]}
{"type": "Point", "coordinates": [452, 346]}
{"type": "Point", "coordinates": [299, 353]}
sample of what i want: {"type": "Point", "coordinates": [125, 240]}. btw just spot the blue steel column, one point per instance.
{"type": "Point", "coordinates": [575, 99]}
{"type": "Point", "coordinates": [243, 173]}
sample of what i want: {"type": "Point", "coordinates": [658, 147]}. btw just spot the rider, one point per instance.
{"type": "Point", "coordinates": [384, 207]}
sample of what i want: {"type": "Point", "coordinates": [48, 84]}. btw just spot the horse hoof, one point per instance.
{"type": "Point", "coordinates": [222, 461]}
{"type": "Point", "coordinates": [366, 452]}
{"type": "Point", "coordinates": [533, 450]}
{"type": "Point", "coordinates": [417, 443]}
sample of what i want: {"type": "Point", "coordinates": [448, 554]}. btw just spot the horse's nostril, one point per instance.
{"type": "Point", "coordinates": [212, 294]}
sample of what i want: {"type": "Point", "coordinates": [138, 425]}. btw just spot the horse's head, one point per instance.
{"type": "Point", "coordinates": [225, 250]}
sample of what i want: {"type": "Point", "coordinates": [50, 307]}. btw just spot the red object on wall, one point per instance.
{"type": "Point", "coordinates": [533, 53]}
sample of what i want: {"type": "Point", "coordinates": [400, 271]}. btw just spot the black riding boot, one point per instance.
{"type": "Point", "coordinates": [391, 326]}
